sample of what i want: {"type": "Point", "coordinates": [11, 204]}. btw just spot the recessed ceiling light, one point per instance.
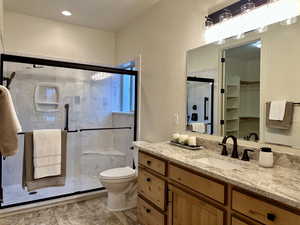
{"type": "Point", "coordinates": [66, 13]}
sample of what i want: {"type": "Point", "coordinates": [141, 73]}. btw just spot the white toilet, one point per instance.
{"type": "Point", "coordinates": [121, 185]}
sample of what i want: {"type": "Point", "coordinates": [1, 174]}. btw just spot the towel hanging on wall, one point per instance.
{"type": "Point", "coordinates": [10, 125]}
{"type": "Point", "coordinates": [287, 121]}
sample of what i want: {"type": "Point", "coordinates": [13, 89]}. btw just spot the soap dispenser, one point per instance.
{"type": "Point", "coordinates": [266, 158]}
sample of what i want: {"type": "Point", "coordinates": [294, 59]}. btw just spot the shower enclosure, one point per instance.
{"type": "Point", "coordinates": [95, 105]}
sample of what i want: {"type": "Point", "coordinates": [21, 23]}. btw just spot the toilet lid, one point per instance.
{"type": "Point", "coordinates": [118, 173]}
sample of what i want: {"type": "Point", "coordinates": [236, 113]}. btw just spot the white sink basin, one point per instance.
{"type": "Point", "coordinates": [218, 163]}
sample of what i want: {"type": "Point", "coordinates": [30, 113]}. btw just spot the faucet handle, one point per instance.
{"type": "Point", "coordinates": [224, 150]}
{"type": "Point", "coordinates": [245, 156]}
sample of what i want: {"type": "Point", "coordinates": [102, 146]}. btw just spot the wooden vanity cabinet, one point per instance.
{"type": "Point", "coordinates": [236, 221]}
{"type": "Point", "coordinates": [152, 188]}
{"type": "Point", "coordinates": [208, 187]}
{"type": "Point", "coordinates": [185, 209]}
{"type": "Point", "coordinates": [171, 194]}
{"type": "Point", "coordinates": [262, 211]}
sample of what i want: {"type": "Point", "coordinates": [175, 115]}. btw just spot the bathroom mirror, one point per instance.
{"type": "Point", "coordinates": [245, 75]}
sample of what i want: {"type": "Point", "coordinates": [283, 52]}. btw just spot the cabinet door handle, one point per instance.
{"type": "Point", "coordinates": [148, 179]}
{"type": "Point", "coordinates": [148, 210]}
{"type": "Point", "coordinates": [148, 162]}
{"type": "Point", "coordinates": [271, 216]}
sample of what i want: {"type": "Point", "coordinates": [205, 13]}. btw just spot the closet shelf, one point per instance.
{"type": "Point", "coordinates": [232, 130]}
{"type": "Point", "coordinates": [232, 119]}
{"type": "Point", "coordinates": [48, 103]}
{"type": "Point", "coordinates": [249, 82]}
{"type": "Point", "coordinates": [249, 118]}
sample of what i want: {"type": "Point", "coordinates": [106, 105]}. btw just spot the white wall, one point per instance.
{"type": "Point", "coordinates": [27, 35]}
{"type": "Point", "coordinates": [162, 36]}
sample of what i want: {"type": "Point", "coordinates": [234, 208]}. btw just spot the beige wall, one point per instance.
{"type": "Point", "coordinates": [35, 36]}
{"type": "Point", "coordinates": [1, 26]}
{"type": "Point", "coordinates": [162, 36]}
{"type": "Point", "coordinates": [281, 78]}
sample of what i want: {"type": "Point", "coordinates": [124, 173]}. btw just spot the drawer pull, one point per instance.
{"type": "Point", "coordinates": [148, 179]}
{"type": "Point", "coordinates": [271, 216]}
{"type": "Point", "coordinates": [148, 162]}
{"type": "Point", "coordinates": [148, 210]}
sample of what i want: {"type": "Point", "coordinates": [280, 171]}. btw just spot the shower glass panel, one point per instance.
{"type": "Point", "coordinates": [200, 97]}
{"type": "Point", "coordinates": [100, 135]}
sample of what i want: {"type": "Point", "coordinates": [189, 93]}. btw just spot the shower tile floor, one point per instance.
{"type": "Point", "coordinates": [91, 212]}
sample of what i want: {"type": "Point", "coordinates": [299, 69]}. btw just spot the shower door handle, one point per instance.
{"type": "Point", "coordinates": [206, 99]}
{"type": "Point", "coordinates": [67, 108]}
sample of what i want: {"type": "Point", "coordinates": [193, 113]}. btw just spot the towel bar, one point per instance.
{"type": "Point", "coordinates": [91, 129]}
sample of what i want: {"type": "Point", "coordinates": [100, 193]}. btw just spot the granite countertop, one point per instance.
{"type": "Point", "coordinates": [278, 183]}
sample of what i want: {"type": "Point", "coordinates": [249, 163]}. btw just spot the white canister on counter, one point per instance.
{"type": "Point", "coordinates": [266, 158]}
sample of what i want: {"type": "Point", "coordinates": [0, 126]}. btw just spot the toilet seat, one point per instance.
{"type": "Point", "coordinates": [118, 173]}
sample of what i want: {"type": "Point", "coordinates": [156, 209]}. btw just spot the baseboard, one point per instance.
{"type": "Point", "coordinates": [51, 203]}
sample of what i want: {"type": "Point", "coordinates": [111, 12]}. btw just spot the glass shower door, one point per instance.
{"type": "Point", "coordinates": [87, 104]}
{"type": "Point", "coordinates": [40, 94]}
{"type": "Point", "coordinates": [200, 102]}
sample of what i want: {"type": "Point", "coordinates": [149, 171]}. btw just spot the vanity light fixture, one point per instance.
{"type": "Point", "coordinates": [208, 22]}
{"type": "Point", "coordinates": [262, 29]}
{"type": "Point", "coordinates": [254, 19]}
{"type": "Point", "coordinates": [240, 36]}
{"type": "Point", "coordinates": [290, 21]}
{"type": "Point", "coordinates": [221, 42]}
{"type": "Point", "coordinates": [247, 7]}
{"type": "Point", "coordinates": [226, 15]}
{"type": "Point", "coordinates": [66, 13]}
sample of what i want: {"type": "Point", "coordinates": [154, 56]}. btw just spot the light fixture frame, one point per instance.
{"type": "Point", "coordinates": [263, 15]}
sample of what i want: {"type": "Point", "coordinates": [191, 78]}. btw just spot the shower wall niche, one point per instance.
{"type": "Point", "coordinates": [100, 136]}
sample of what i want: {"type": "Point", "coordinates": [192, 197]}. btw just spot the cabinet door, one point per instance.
{"type": "Point", "coordinates": [189, 210]}
{"type": "Point", "coordinates": [235, 221]}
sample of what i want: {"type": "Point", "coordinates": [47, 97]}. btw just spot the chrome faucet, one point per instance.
{"type": "Point", "coordinates": [234, 153]}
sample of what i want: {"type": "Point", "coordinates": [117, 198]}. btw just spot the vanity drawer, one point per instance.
{"type": "Point", "coordinates": [152, 188]}
{"type": "Point", "coordinates": [236, 221]}
{"type": "Point", "coordinates": [150, 162]}
{"type": "Point", "coordinates": [262, 211]}
{"type": "Point", "coordinates": [147, 215]}
{"type": "Point", "coordinates": [198, 183]}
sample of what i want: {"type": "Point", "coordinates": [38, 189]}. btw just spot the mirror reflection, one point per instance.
{"type": "Point", "coordinates": [200, 92]}
{"type": "Point", "coordinates": [254, 86]}
{"type": "Point", "coordinates": [242, 91]}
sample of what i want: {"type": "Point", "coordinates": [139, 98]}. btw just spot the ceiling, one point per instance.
{"type": "Point", "coordinates": [110, 15]}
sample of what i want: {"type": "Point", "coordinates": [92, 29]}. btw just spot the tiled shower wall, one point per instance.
{"type": "Point", "coordinates": [91, 105]}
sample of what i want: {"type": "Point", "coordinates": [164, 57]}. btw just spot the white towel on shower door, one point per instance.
{"type": "Point", "coordinates": [46, 153]}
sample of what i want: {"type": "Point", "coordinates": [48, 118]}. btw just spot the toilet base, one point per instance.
{"type": "Point", "coordinates": [119, 202]}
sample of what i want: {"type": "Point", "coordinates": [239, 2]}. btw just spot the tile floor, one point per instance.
{"type": "Point", "coordinates": [91, 212]}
